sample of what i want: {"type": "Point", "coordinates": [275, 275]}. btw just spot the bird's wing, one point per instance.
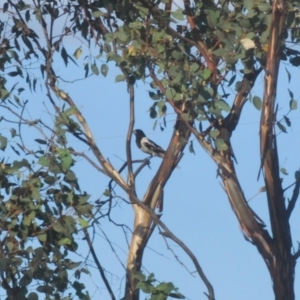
{"type": "Point", "coordinates": [153, 147]}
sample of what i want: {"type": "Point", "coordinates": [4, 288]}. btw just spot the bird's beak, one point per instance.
{"type": "Point", "coordinates": [134, 131]}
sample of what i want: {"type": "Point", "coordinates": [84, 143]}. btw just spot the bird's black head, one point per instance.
{"type": "Point", "coordinates": [139, 133]}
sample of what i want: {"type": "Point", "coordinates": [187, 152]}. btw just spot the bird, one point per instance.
{"type": "Point", "coordinates": [146, 145]}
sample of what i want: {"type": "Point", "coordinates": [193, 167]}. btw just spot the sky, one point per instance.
{"type": "Point", "coordinates": [196, 208]}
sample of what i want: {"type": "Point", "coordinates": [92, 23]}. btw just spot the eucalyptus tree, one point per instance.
{"type": "Point", "coordinates": [192, 52]}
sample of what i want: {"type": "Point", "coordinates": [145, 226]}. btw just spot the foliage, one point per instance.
{"type": "Point", "coordinates": [194, 55]}
{"type": "Point", "coordinates": [159, 292]}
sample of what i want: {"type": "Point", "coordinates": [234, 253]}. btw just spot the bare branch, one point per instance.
{"type": "Point", "coordinates": [97, 262]}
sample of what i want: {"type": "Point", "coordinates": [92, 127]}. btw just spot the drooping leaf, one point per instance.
{"type": "Point", "coordinates": [257, 102]}
{"type": "Point", "coordinates": [293, 104]}
{"type": "Point", "coordinates": [64, 55]}
{"type": "Point", "coordinates": [104, 69]}
{"type": "Point", "coordinates": [77, 53]}
{"type": "Point", "coordinates": [3, 142]}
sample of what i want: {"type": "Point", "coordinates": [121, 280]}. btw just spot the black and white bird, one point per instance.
{"type": "Point", "coordinates": [147, 145]}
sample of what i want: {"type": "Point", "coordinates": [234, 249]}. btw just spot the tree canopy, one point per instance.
{"type": "Point", "coordinates": [200, 61]}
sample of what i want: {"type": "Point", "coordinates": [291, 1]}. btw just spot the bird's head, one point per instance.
{"type": "Point", "coordinates": [139, 132]}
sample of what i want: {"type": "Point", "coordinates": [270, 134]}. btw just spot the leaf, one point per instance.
{"type": "Point", "coordinates": [287, 121]}
{"type": "Point", "coordinates": [83, 223]}
{"type": "Point", "coordinates": [247, 43]}
{"type": "Point", "coordinates": [104, 69]}
{"type": "Point", "coordinates": [3, 142]}
{"type": "Point", "coordinates": [257, 102]}
{"type": "Point", "coordinates": [222, 105]}
{"type": "Point", "coordinates": [107, 193]}
{"type": "Point", "coordinates": [145, 287]}
{"type": "Point", "coordinates": [32, 296]}
{"type": "Point", "coordinates": [288, 74]}
{"type": "Point", "coordinates": [281, 127]}
{"type": "Point", "coordinates": [43, 161]}
{"type": "Point", "coordinates": [232, 79]}
{"type": "Point", "coordinates": [154, 96]}
{"type": "Point", "coordinates": [291, 94]}
{"type": "Point", "coordinates": [58, 227]}
{"type": "Point", "coordinates": [214, 133]}
{"type": "Point", "coordinates": [5, 7]}
{"type": "Point", "coordinates": [66, 159]}
{"type": "Point", "coordinates": [293, 104]}
{"type": "Point", "coordinates": [170, 93]}
{"type": "Point", "coordinates": [77, 53]}
{"type": "Point", "coordinates": [297, 175]}
{"type": "Point", "coordinates": [97, 13]}
{"type": "Point", "coordinates": [86, 68]}
{"type": "Point", "coordinates": [64, 55]}
{"type": "Point", "coordinates": [42, 237]}
{"type": "Point", "coordinates": [64, 241]}
{"type": "Point", "coordinates": [95, 69]}
{"type": "Point", "coordinates": [191, 147]}
{"type": "Point", "coordinates": [43, 142]}
{"type": "Point", "coordinates": [283, 171]}
{"type": "Point", "coordinates": [13, 73]}
{"type": "Point", "coordinates": [221, 145]}
{"type": "Point", "coordinates": [176, 295]}
{"type": "Point", "coordinates": [178, 14]}
{"type": "Point", "coordinates": [264, 6]}
{"type": "Point", "coordinates": [120, 77]}
{"type": "Point", "coordinates": [27, 15]}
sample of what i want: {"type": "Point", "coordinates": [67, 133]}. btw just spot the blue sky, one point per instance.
{"type": "Point", "coordinates": [196, 207]}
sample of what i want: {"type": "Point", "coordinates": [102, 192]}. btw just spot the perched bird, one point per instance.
{"type": "Point", "coordinates": [147, 145]}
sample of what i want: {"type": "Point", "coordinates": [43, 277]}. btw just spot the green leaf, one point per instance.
{"type": "Point", "coordinates": [257, 102]}
{"type": "Point", "coordinates": [214, 133]}
{"type": "Point", "coordinates": [222, 105]}
{"type": "Point", "coordinates": [66, 158]}
{"type": "Point", "coordinates": [248, 4]}
{"type": "Point", "coordinates": [64, 241]}
{"type": "Point", "coordinates": [104, 69]}
{"type": "Point", "coordinates": [165, 287]}
{"type": "Point", "coordinates": [83, 223]}
{"type": "Point", "coordinates": [221, 145]}
{"type": "Point", "coordinates": [145, 287]}
{"type": "Point", "coordinates": [178, 14]}
{"type": "Point", "coordinates": [283, 171]}
{"type": "Point", "coordinates": [43, 161]}
{"type": "Point", "coordinates": [58, 227]}
{"type": "Point", "coordinates": [3, 142]}
{"type": "Point", "coordinates": [97, 13]}
{"type": "Point", "coordinates": [170, 93]}
{"type": "Point", "coordinates": [119, 78]}
{"type": "Point", "coordinates": [95, 69]}
{"type": "Point", "coordinates": [264, 6]}
{"type": "Point", "coordinates": [140, 276]}
{"type": "Point", "coordinates": [77, 53]}
{"type": "Point", "coordinates": [42, 237]}
{"type": "Point", "coordinates": [293, 104]}
{"type": "Point", "coordinates": [154, 96]}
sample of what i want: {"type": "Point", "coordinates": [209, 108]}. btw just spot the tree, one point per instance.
{"type": "Point", "coordinates": [191, 54]}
